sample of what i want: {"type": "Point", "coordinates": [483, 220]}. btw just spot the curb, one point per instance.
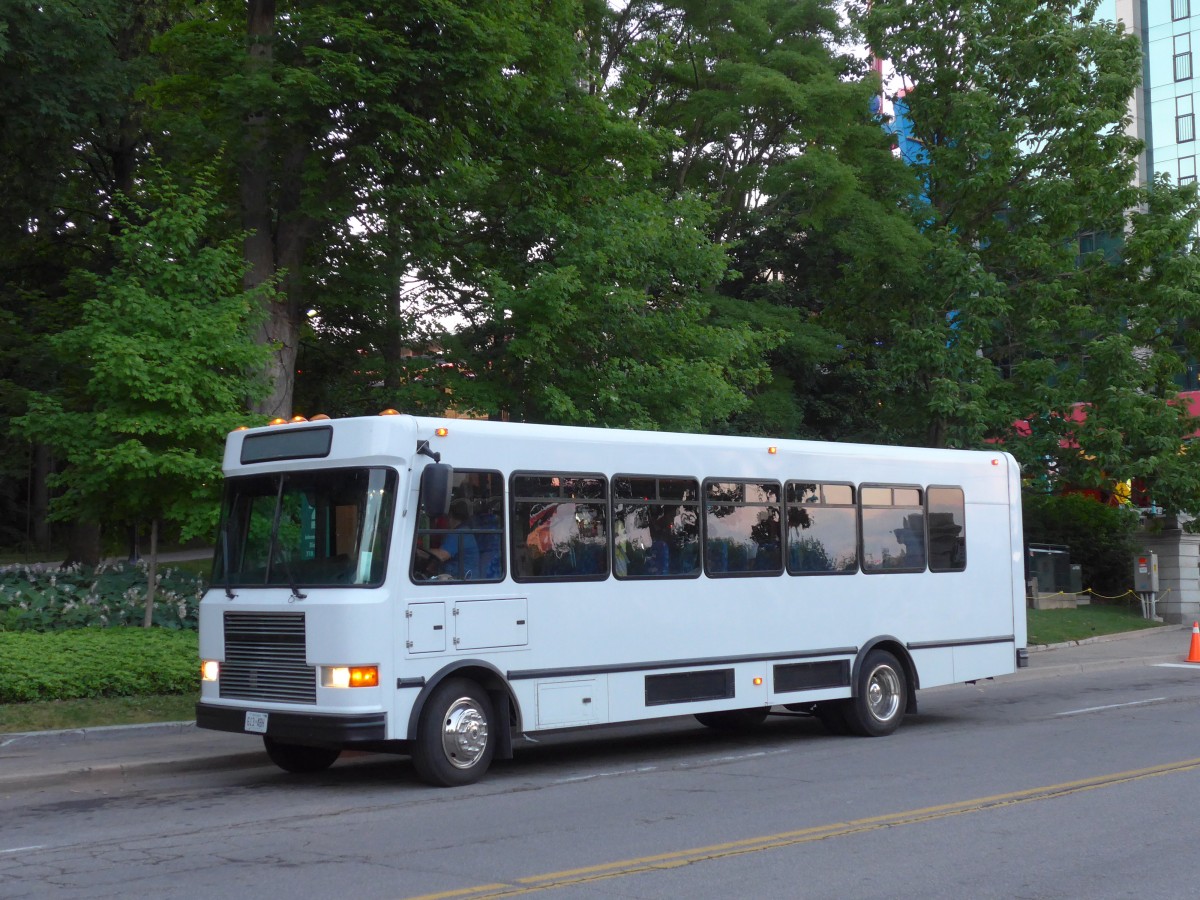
{"type": "Point", "coordinates": [1105, 638]}
{"type": "Point", "coordinates": [96, 732]}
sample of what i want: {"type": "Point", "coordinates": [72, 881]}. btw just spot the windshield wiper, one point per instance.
{"type": "Point", "coordinates": [225, 561]}
{"type": "Point", "coordinates": [287, 569]}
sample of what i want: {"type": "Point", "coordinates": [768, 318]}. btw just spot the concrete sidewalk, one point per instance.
{"type": "Point", "coordinates": [41, 758]}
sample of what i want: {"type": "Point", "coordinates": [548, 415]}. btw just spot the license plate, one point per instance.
{"type": "Point", "coordinates": [256, 722]}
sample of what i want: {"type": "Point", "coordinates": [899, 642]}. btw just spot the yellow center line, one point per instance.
{"type": "Point", "coordinates": [661, 861]}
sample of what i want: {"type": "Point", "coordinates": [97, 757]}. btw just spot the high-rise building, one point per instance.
{"type": "Point", "coordinates": [1164, 108]}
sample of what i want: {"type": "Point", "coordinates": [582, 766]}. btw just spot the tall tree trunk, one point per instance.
{"type": "Point", "coordinates": [151, 574]}
{"type": "Point", "coordinates": [40, 466]}
{"type": "Point", "coordinates": [83, 544]}
{"type": "Point", "coordinates": [276, 233]}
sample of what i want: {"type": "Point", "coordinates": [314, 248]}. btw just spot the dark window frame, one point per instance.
{"type": "Point", "coordinates": [1181, 9]}
{"type": "Point", "coordinates": [706, 502]}
{"type": "Point", "coordinates": [1182, 59]}
{"type": "Point", "coordinates": [518, 554]}
{"type": "Point", "coordinates": [868, 569]}
{"type": "Point", "coordinates": [1185, 120]}
{"type": "Point", "coordinates": [697, 505]}
{"type": "Point", "coordinates": [475, 531]}
{"type": "Point", "coordinates": [929, 555]}
{"type": "Point", "coordinates": [852, 505]}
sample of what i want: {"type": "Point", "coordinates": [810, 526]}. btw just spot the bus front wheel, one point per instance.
{"type": "Point", "coordinates": [454, 744]}
{"type": "Point", "coordinates": [300, 759]}
{"type": "Point", "coordinates": [881, 699]}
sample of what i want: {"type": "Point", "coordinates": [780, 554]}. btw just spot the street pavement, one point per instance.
{"type": "Point", "coordinates": [32, 758]}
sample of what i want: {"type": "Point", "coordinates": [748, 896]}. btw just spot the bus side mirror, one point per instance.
{"type": "Point", "coordinates": [437, 479]}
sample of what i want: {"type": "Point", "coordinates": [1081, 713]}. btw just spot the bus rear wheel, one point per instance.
{"type": "Point", "coordinates": [454, 744]}
{"type": "Point", "coordinates": [298, 758]}
{"type": "Point", "coordinates": [734, 719]}
{"type": "Point", "coordinates": [881, 699]}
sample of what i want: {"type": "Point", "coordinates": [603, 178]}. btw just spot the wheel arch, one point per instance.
{"type": "Point", "coordinates": [894, 646]}
{"type": "Point", "coordinates": [492, 680]}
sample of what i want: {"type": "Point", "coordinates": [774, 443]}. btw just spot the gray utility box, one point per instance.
{"type": "Point", "coordinates": [1145, 573]}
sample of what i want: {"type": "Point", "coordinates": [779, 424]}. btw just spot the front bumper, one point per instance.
{"type": "Point", "coordinates": [299, 728]}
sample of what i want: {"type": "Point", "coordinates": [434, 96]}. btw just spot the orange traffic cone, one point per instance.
{"type": "Point", "coordinates": [1194, 653]}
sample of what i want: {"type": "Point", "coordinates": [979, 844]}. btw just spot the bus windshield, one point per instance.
{"type": "Point", "coordinates": [310, 529]}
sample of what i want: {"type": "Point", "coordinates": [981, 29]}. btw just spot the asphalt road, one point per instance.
{"type": "Point", "coordinates": [1078, 778]}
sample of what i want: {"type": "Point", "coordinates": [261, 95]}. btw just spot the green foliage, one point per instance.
{"type": "Point", "coordinates": [89, 662]}
{"type": "Point", "coordinates": [36, 598]}
{"type": "Point", "coordinates": [166, 363]}
{"type": "Point", "coordinates": [1102, 538]}
{"type": "Point", "coordinates": [1020, 109]}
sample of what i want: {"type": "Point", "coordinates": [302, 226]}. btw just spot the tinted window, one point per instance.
{"type": "Point", "coordinates": [468, 543]}
{"type": "Point", "coordinates": [947, 529]}
{"type": "Point", "coordinates": [656, 527]}
{"type": "Point", "coordinates": [742, 528]}
{"type": "Point", "coordinates": [822, 528]}
{"type": "Point", "coordinates": [559, 526]}
{"type": "Point", "coordinates": [893, 529]}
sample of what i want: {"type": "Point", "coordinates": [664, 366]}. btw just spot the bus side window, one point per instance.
{"type": "Point", "coordinates": [822, 529]}
{"type": "Point", "coordinates": [742, 528]}
{"type": "Point", "coordinates": [466, 545]}
{"type": "Point", "coordinates": [893, 528]}
{"type": "Point", "coordinates": [947, 529]}
{"type": "Point", "coordinates": [656, 527]}
{"type": "Point", "coordinates": [559, 526]}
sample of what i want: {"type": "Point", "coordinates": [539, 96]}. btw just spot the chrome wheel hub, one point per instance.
{"type": "Point", "coordinates": [883, 693]}
{"type": "Point", "coordinates": [464, 733]}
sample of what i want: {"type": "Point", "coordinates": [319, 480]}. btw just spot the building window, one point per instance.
{"type": "Point", "coordinates": [1187, 170]}
{"type": "Point", "coordinates": [1185, 120]}
{"type": "Point", "coordinates": [1180, 9]}
{"type": "Point", "coordinates": [1183, 57]}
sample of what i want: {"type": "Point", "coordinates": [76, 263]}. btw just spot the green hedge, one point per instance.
{"type": "Point", "coordinates": [97, 662]}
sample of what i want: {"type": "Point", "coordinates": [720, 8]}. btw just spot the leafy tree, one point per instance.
{"type": "Point", "coordinates": [1101, 538]}
{"type": "Point", "coordinates": [576, 289]}
{"type": "Point", "coordinates": [354, 130]}
{"type": "Point", "coordinates": [167, 364]}
{"type": "Point", "coordinates": [1021, 109]}
{"type": "Point", "coordinates": [770, 122]}
{"type": "Point", "coordinates": [73, 136]}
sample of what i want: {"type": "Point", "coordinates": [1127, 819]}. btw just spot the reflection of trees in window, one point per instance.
{"type": "Point", "coordinates": [743, 525]}
{"type": "Point", "coordinates": [560, 526]}
{"type": "Point", "coordinates": [893, 529]}
{"type": "Point", "coordinates": [656, 527]}
{"type": "Point", "coordinates": [947, 529]}
{"type": "Point", "coordinates": [309, 528]}
{"type": "Point", "coordinates": [822, 522]}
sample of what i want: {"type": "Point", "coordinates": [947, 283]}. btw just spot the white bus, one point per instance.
{"type": "Point", "coordinates": [443, 587]}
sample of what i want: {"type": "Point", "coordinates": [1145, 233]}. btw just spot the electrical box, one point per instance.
{"type": "Point", "coordinates": [1145, 573]}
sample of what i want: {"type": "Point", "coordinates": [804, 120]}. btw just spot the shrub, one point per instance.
{"type": "Point", "coordinates": [1102, 538]}
{"type": "Point", "coordinates": [53, 598]}
{"type": "Point", "coordinates": [97, 662]}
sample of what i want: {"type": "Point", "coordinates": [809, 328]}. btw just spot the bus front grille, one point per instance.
{"type": "Point", "coordinates": [265, 659]}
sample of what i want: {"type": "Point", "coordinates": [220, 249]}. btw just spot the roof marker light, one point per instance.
{"type": "Point", "coordinates": [277, 421]}
{"type": "Point", "coordinates": [319, 417]}
{"type": "Point", "coordinates": [390, 412]}
{"type": "Point", "coordinates": [299, 419]}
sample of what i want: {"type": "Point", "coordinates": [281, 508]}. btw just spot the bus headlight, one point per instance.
{"type": "Point", "coordinates": [210, 670]}
{"type": "Point", "coordinates": [349, 676]}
